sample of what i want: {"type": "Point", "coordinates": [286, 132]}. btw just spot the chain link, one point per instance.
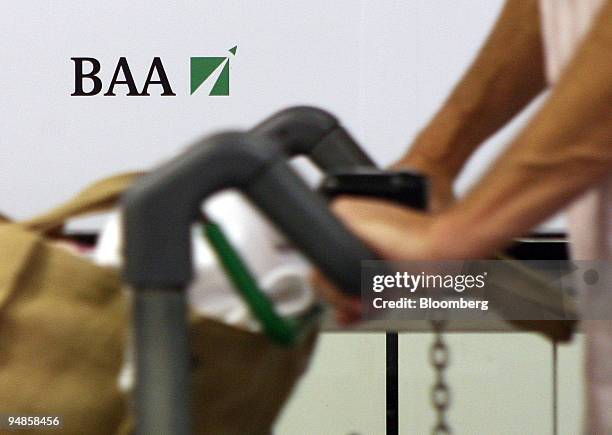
{"type": "Point", "coordinates": [439, 357]}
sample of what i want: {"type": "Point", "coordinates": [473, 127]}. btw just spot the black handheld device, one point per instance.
{"type": "Point", "coordinates": [404, 187]}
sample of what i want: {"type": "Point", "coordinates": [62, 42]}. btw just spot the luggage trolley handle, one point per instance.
{"type": "Point", "coordinates": [159, 209]}
{"type": "Point", "coordinates": [158, 212]}
{"type": "Point", "coordinates": [318, 135]}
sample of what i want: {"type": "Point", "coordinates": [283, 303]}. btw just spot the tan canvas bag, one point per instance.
{"type": "Point", "coordinates": [63, 323]}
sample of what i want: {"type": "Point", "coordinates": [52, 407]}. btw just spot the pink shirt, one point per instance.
{"type": "Point", "coordinates": [564, 25]}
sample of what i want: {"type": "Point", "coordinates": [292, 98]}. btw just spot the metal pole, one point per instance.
{"type": "Point", "coordinates": [162, 349]}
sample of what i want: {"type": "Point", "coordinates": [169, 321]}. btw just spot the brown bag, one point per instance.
{"type": "Point", "coordinates": [63, 323]}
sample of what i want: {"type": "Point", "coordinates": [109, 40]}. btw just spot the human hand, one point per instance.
{"type": "Point", "coordinates": [393, 231]}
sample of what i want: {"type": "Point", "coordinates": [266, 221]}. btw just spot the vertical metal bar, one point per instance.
{"type": "Point", "coordinates": [392, 385]}
{"type": "Point", "coordinates": [162, 356]}
{"type": "Point", "coordinates": [555, 379]}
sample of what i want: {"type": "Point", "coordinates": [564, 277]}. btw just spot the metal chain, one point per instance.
{"type": "Point", "coordinates": [440, 393]}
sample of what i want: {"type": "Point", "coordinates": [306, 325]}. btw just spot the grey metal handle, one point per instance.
{"type": "Point", "coordinates": [158, 212]}
{"type": "Point", "coordinates": [315, 133]}
{"type": "Point", "coordinates": [159, 209]}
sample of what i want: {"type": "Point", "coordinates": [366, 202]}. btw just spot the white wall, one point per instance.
{"type": "Point", "coordinates": [382, 66]}
{"type": "Point", "coordinates": [501, 384]}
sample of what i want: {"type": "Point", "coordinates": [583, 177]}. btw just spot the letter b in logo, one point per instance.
{"type": "Point", "coordinates": [79, 76]}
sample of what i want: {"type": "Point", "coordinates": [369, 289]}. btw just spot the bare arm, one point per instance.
{"type": "Point", "coordinates": [505, 76]}
{"type": "Point", "coordinates": [566, 149]}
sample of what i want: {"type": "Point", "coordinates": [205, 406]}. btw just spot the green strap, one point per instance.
{"type": "Point", "coordinates": [280, 330]}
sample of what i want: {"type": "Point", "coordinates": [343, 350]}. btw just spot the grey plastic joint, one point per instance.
{"type": "Point", "coordinates": [314, 133]}
{"type": "Point", "coordinates": [299, 129]}
{"type": "Point", "coordinates": [338, 150]}
{"type": "Point", "coordinates": [160, 208]}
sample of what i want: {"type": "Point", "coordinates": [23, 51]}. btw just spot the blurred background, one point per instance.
{"type": "Point", "coordinates": [382, 66]}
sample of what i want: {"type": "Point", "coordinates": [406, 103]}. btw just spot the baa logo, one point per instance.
{"type": "Point", "coordinates": [202, 70]}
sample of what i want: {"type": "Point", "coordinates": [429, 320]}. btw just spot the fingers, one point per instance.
{"type": "Point", "coordinates": [347, 309]}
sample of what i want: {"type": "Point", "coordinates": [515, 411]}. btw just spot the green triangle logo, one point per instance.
{"type": "Point", "coordinates": [221, 86]}
{"type": "Point", "coordinates": [203, 67]}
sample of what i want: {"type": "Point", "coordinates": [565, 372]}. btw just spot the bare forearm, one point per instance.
{"type": "Point", "coordinates": [566, 149]}
{"type": "Point", "coordinates": [506, 75]}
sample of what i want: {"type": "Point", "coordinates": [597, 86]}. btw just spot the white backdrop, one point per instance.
{"type": "Point", "coordinates": [382, 66]}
